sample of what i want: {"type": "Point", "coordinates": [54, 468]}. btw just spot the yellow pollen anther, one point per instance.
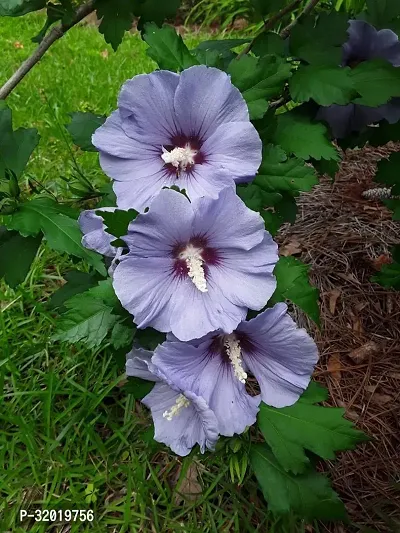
{"type": "Point", "coordinates": [234, 352]}
{"type": "Point", "coordinates": [180, 403]}
{"type": "Point", "coordinates": [194, 262]}
{"type": "Point", "coordinates": [179, 157]}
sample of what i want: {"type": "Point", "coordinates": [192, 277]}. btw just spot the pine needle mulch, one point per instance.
{"type": "Point", "coordinates": [345, 239]}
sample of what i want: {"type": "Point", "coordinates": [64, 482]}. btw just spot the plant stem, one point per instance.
{"type": "Point", "coordinates": [269, 24]}
{"type": "Point", "coordinates": [308, 8]}
{"type": "Point", "coordinates": [56, 33]}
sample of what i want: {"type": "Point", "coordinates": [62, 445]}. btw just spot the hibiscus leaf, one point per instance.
{"type": "Point", "coordinates": [16, 255]}
{"type": "Point", "coordinates": [384, 134]}
{"type": "Point", "coordinates": [267, 43]}
{"type": "Point", "coordinates": [224, 45]}
{"type": "Point", "coordinates": [259, 80]}
{"type": "Point", "coordinates": [319, 41]}
{"type": "Point", "coordinates": [325, 84]}
{"type": "Point", "coordinates": [90, 316]}
{"type": "Point", "coordinates": [137, 387]}
{"type": "Point", "coordinates": [116, 18]}
{"type": "Point", "coordinates": [155, 11]}
{"type": "Point", "coordinates": [308, 495]}
{"type": "Point", "coordinates": [76, 283]}
{"type": "Point", "coordinates": [265, 7]}
{"type": "Point", "coordinates": [17, 8]}
{"type": "Point", "coordinates": [55, 12]}
{"type": "Point", "coordinates": [60, 230]}
{"type": "Point", "coordinates": [16, 146]}
{"type": "Point", "coordinates": [380, 13]}
{"type": "Point", "coordinates": [117, 222]}
{"type": "Point", "coordinates": [315, 393]}
{"type": "Point", "coordinates": [389, 275]}
{"type": "Point", "coordinates": [394, 205]}
{"type": "Point", "coordinates": [82, 127]}
{"type": "Point", "coordinates": [167, 49]}
{"type": "Point", "coordinates": [377, 81]}
{"type": "Point", "coordinates": [289, 431]}
{"type": "Point", "coordinates": [122, 335]}
{"type": "Point", "coordinates": [280, 173]}
{"type": "Point", "coordinates": [297, 134]}
{"type": "Point", "coordinates": [293, 284]}
{"type": "Point", "coordinates": [389, 172]}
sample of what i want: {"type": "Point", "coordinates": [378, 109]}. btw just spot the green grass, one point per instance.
{"type": "Point", "coordinates": [65, 423]}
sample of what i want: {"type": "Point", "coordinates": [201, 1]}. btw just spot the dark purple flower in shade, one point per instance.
{"type": "Point", "coordinates": [195, 267]}
{"type": "Point", "coordinates": [364, 43]}
{"type": "Point", "coordinates": [270, 347]}
{"type": "Point", "coordinates": [191, 130]}
{"type": "Point", "coordinates": [96, 238]}
{"type": "Point", "coordinates": [181, 418]}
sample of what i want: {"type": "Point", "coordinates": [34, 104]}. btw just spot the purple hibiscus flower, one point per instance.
{"type": "Point", "coordinates": [96, 238]}
{"type": "Point", "coordinates": [364, 43]}
{"type": "Point", "coordinates": [181, 418]}
{"type": "Point", "coordinates": [191, 130]}
{"type": "Point", "coordinates": [196, 267]}
{"type": "Point", "coordinates": [270, 347]}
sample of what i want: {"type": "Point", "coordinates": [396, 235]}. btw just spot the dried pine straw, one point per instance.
{"type": "Point", "coordinates": [345, 238]}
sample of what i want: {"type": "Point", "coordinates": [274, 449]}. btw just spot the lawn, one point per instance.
{"type": "Point", "coordinates": [70, 437]}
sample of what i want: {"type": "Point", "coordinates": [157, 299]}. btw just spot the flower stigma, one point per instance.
{"type": "Point", "coordinates": [180, 403]}
{"type": "Point", "coordinates": [234, 352]}
{"type": "Point", "coordinates": [180, 158]}
{"type": "Point", "coordinates": [194, 262]}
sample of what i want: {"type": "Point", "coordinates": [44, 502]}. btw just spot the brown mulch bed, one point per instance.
{"type": "Point", "coordinates": [345, 239]}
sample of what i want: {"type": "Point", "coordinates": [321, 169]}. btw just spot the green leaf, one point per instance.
{"type": "Point", "coordinates": [315, 393]}
{"type": "Point", "coordinates": [122, 335]}
{"type": "Point", "coordinates": [213, 58]}
{"type": "Point", "coordinates": [388, 172]}
{"type": "Point", "coordinates": [167, 48]}
{"type": "Point", "coordinates": [331, 167]}
{"type": "Point", "coordinates": [259, 80]}
{"type": "Point", "coordinates": [299, 135]}
{"type": "Point", "coordinates": [17, 8]}
{"type": "Point", "coordinates": [258, 200]}
{"type": "Point", "coordinates": [61, 232]}
{"type": "Point", "coordinates": [76, 283]}
{"type": "Point", "coordinates": [117, 222]}
{"type": "Point", "coordinates": [324, 84]}
{"type": "Point", "coordinates": [224, 45]}
{"type": "Point", "coordinates": [116, 18]}
{"type": "Point", "coordinates": [16, 146]}
{"type": "Point", "coordinates": [382, 12]}
{"type": "Point", "coordinates": [138, 388]}
{"type": "Point", "coordinates": [293, 284]}
{"type": "Point", "coordinates": [55, 12]}
{"type": "Point", "coordinates": [289, 431]}
{"type": "Point", "coordinates": [156, 11]}
{"type": "Point", "coordinates": [89, 317]}
{"type": "Point", "coordinates": [384, 133]}
{"type": "Point", "coordinates": [265, 7]}
{"type": "Point", "coordinates": [82, 127]}
{"type": "Point", "coordinates": [149, 338]}
{"type": "Point", "coordinates": [267, 43]}
{"type": "Point", "coordinates": [389, 276]}
{"type": "Point", "coordinates": [320, 41]}
{"type": "Point", "coordinates": [377, 81]}
{"type": "Point", "coordinates": [394, 205]}
{"type": "Point", "coordinates": [280, 173]}
{"type": "Point", "coordinates": [308, 495]}
{"type": "Point", "coordinates": [16, 255]}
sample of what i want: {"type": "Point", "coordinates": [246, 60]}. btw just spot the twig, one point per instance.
{"type": "Point", "coordinates": [56, 33]}
{"type": "Point", "coordinates": [269, 24]}
{"type": "Point", "coordinates": [308, 8]}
